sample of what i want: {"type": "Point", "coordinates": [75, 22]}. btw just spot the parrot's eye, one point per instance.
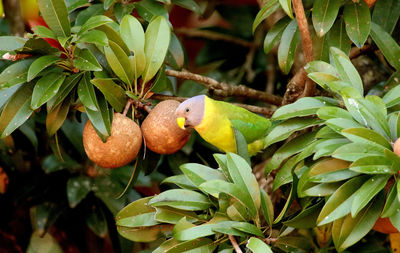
{"type": "Point", "coordinates": [187, 109]}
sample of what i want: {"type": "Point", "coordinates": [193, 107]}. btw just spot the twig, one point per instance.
{"type": "Point", "coordinates": [224, 89]}
{"type": "Point", "coordinates": [256, 109]}
{"type": "Point", "coordinates": [127, 106]}
{"type": "Point", "coordinates": [213, 36]}
{"type": "Point", "coordinates": [234, 244]}
{"type": "Point", "coordinates": [306, 40]}
{"type": "Point", "coordinates": [355, 51]}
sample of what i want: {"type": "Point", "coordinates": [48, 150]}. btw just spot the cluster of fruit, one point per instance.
{"type": "Point", "coordinates": [159, 130]}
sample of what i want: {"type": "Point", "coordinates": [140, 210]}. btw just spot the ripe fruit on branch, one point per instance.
{"type": "Point", "coordinates": [120, 148]}
{"type": "Point", "coordinates": [160, 130]}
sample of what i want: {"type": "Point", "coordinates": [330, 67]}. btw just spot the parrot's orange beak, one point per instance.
{"type": "Point", "coordinates": [181, 122]}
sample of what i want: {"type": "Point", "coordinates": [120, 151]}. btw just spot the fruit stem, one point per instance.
{"type": "Point", "coordinates": [128, 104]}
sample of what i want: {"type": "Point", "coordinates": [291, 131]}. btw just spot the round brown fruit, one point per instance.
{"type": "Point", "coordinates": [396, 147]}
{"type": "Point", "coordinates": [160, 130]}
{"type": "Point", "coordinates": [120, 148]}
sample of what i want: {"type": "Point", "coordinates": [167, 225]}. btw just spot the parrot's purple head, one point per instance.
{"type": "Point", "coordinates": [190, 113]}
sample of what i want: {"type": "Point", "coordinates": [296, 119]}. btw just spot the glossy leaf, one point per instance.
{"type": "Point", "coordinates": [55, 14]}
{"type": "Point", "coordinates": [149, 9]}
{"type": "Point", "coordinates": [181, 199]}
{"type": "Point", "coordinates": [258, 246]}
{"type": "Point", "coordinates": [175, 246]}
{"type": "Point", "coordinates": [287, 7]}
{"type": "Point", "coordinates": [323, 79]}
{"type": "Point", "coordinates": [306, 218]}
{"type": "Point", "coordinates": [338, 38]}
{"type": "Point", "coordinates": [114, 36]}
{"type": "Point", "coordinates": [365, 135]}
{"type": "Point", "coordinates": [140, 220]}
{"type": "Point", "coordinates": [15, 74]}
{"type": "Point", "coordinates": [373, 164]}
{"type": "Point", "coordinates": [44, 32]}
{"type": "Point", "coordinates": [113, 93]}
{"type": "Point", "coordinates": [56, 117]}
{"type": "Point", "coordinates": [321, 66]}
{"type": "Point", "coordinates": [157, 38]}
{"type": "Point", "coordinates": [358, 22]}
{"type": "Point", "coordinates": [392, 98]}
{"type": "Point", "coordinates": [199, 174]}
{"type": "Point", "coordinates": [331, 112]}
{"type": "Point", "coordinates": [241, 145]}
{"type": "Point", "coordinates": [172, 215]}
{"type": "Point", "coordinates": [267, 207]}
{"type": "Point", "coordinates": [287, 47]}
{"type": "Point", "coordinates": [303, 107]}
{"type": "Point", "coordinates": [269, 8]}
{"type": "Point", "coordinates": [392, 203]}
{"type": "Point", "coordinates": [286, 128]}
{"type": "Point", "coordinates": [16, 111]}
{"type": "Point", "coordinates": [94, 36]}
{"type": "Point", "coordinates": [324, 14]}
{"type": "Point", "coordinates": [94, 22]}
{"type": "Point", "coordinates": [274, 34]}
{"type": "Point", "coordinates": [132, 33]}
{"type": "Point", "coordinates": [327, 147]}
{"type": "Point", "coordinates": [176, 53]}
{"type": "Point", "coordinates": [386, 14]}
{"type": "Point", "coordinates": [291, 196]}
{"type": "Point", "coordinates": [388, 46]}
{"type": "Point", "coordinates": [77, 189]}
{"type": "Point", "coordinates": [45, 244]}
{"type": "Point", "coordinates": [188, 4]}
{"type": "Point", "coordinates": [65, 89]}
{"type": "Point", "coordinates": [101, 119]}
{"type": "Point", "coordinates": [46, 88]}
{"type": "Point", "coordinates": [11, 43]}
{"type": "Point", "coordinates": [339, 204]}
{"type": "Point", "coordinates": [119, 62]}
{"type": "Point", "coordinates": [180, 180]}
{"type": "Point", "coordinates": [87, 94]}
{"type": "Point", "coordinates": [97, 222]}
{"type": "Point", "coordinates": [40, 64]}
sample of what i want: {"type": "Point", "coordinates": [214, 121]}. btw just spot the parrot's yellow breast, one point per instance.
{"type": "Point", "coordinates": [216, 128]}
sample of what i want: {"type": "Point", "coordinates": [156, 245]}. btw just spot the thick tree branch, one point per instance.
{"type": "Point", "coordinates": [252, 108]}
{"type": "Point", "coordinates": [213, 36]}
{"type": "Point", "coordinates": [12, 11]}
{"type": "Point", "coordinates": [224, 89]}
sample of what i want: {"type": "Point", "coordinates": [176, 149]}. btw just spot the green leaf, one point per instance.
{"type": "Point", "coordinates": [40, 64]}
{"type": "Point", "coordinates": [284, 175]}
{"type": "Point", "coordinates": [365, 135]}
{"type": "Point", "coordinates": [241, 145]}
{"type": "Point", "coordinates": [15, 74]}
{"type": "Point", "coordinates": [368, 190]}
{"type": "Point", "coordinates": [287, 48]}
{"type": "Point", "coordinates": [44, 32]}
{"type": "Point", "coordinates": [157, 38]}
{"type": "Point", "coordinates": [180, 180]}
{"type": "Point", "coordinates": [16, 111]}
{"type": "Point", "coordinates": [286, 128]}
{"type": "Point", "coordinates": [339, 204]}
{"type": "Point", "coordinates": [140, 220]}
{"type": "Point", "coordinates": [267, 207]}
{"type": "Point", "coordinates": [338, 38]}
{"type": "Point", "coordinates": [77, 189]}
{"type": "Point", "coordinates": [392, 203]}
{"type": "Point", "coordinates": [287, 7]}
{"type": "Point", "coordinates": [358, 22]}
{"type": "Point", "coordinates": [149, 9]}
{"type": "Point", "coordinates": [290, 148]}
{"type": "Point", "coordinates": [176, 53]}
{"type": "Point", "coordinates": [11, 43]}
{"type": "Point", "coordinates": [46, 88]}
{"type": "Point", "coordinates": [373, 164]}
{"type": "Point", "coordinates": [331, 112]}
{"type": "Point", "coordinates": [258, 246]}
{"type": "Point", "coordinates": [65, 89]}
{"type": "Point", "coordinates": [321, 66]}
{"type": "Point", "coordinates": [114, 36]}
{"type": "Point", "coordinates": [95, 36]}
{"type": "Point", "coordinates": [113, 93]}
{"type": "Point", "coordinates": [386, 14]}
{"type": "Point", "coordinates": [55, 14]}
{"type": "Point", "coordinates": [346, 70]}
{"type": "Point", "coordinates": [87, 94]}
{"type": "Point", "coordinates": [132, 33]}
{"type": "Point", "coordinates": [327, 147]}
{"type": "Point", "coordinates": [107, 4]}
{"type": "Point", "coordinates": [354, 229]}
{"type": "Point", "coordinates": [94, 22]}
{"type": "Point", "coordinates": [101, 119]}
{"type": "Point", "coordinates": [338, 124]}
{"type": "Point", "coordinates": [303, 107]}
{"type": "Point", "coordinates": [199, 174]}
{"type": "Point", "coordinates": [324, 14]}
{"type": "Point", "coordinates": [172, 215]}
{"type": "Point", "coordinates": [43, 216]}
{"type": "Point", "coordinates": [96, 221]}
{"type": "Point", "coordinates": [56, 117]}
{"type": "Point", "coordinates": [323, 79]}
{"type": "Point", "coordinates": [388, 46]}
{"type": "Point", "coordinates": [248, 228]}
{"type": "Point", "coordinates": [275, 33]}
{"type": "Point", "coordinates": [181, 199]}
{"type": "Point", "coordinates": [242, 176]}
{"type": "Point", "coordinates": [188, 4]}
{"type": "Point", "coordinates": [306, 218]}
{"type": "Point", "coordinates": [119, 62]}
{"type": "Point", "coordinates": [175, 246]}
{"type": "Point", "coordinates": [292, 194]}
{"type": "Point", "coordinates": [392, 98]}
{"type": "Point", "coordinates": [45, 243]}
{"type": "Point", "coordinates": [394, 124]}
{"type": "Point", "coordinates": [269, 8]}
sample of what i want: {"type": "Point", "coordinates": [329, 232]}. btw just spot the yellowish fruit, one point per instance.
{"type": "Point", "coordinates": [160, 130]}
{"type": "Point", "coordinates": [120, 148]}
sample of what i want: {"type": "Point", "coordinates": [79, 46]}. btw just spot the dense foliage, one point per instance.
{"type": "Point", "coordinates": [326, 179]}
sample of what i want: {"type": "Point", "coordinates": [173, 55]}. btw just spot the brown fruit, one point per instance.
{"type": "Point", "coordinates": [384, 225]}
{"type": "Point", "coordinates": [160, 130]}
{"type": "Point", "coordinates": [396, 147]}
{"type": "Point", "coordinates": [120, 148]}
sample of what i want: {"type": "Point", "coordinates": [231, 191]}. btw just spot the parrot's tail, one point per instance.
{"type": "Point", "coordinates": [255, 147]}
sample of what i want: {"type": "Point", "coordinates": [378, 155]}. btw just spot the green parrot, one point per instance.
{"type": "Point", "coordinates": [215, 122]}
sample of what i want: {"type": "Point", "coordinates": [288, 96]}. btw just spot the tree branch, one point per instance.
{"type": "Point", "coordinates": [234, 244]}
{"type": "Point", "coordinates": [213, 36]}
{"type": "Point", "coordinates": [306, 40]}
{"type": "Point", "coordinates": [224, 89]}
{"type": "Point", "coordinates": [252, 108]}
